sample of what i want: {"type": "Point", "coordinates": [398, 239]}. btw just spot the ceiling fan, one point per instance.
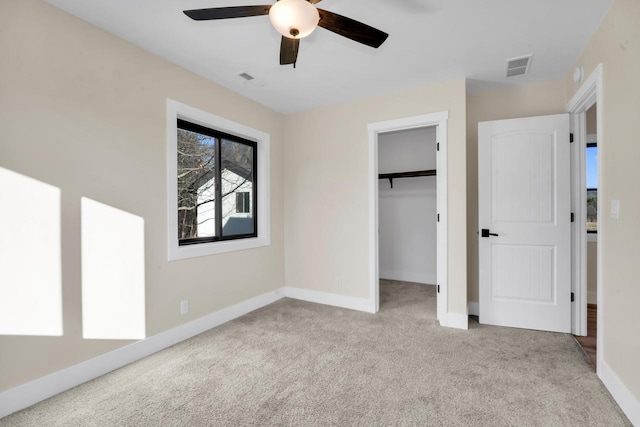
{"type": "Point", "coordinates": [295, 19]}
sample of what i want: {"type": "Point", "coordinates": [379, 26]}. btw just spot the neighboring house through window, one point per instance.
{"type": "Point", "coordinates": [218, 176]}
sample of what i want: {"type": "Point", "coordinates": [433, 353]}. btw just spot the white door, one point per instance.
{"type": "Point", "coordinates": [525, 223]}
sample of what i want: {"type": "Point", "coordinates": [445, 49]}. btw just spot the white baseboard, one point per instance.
{"type": "Point", "coordinates": [592, 298]}
{"type": "Point", "coordinates": [474, 308]}
{"type": "Point", "coordinates": [25, 395]}
{"type": "Point", "coordinates": [343, 301]}
{"type": "Point", "coordinates": [409, 276]}
{"type": "Point", "coordinates": [625, 399]}
{"type": "Point", "coordinates": [456, 321]}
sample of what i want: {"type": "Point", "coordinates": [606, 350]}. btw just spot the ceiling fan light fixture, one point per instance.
{"type": "Point", "coordinates": [294, 18]}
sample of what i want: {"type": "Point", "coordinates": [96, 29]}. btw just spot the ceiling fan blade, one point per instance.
{"type": "Point", "coordinates": [227, 12]}
{"type": "Point", "coordinates": [289, 51]}
{"type": "Point", "coordinates": [351, 29]}
{"type": "Point", "coordinates": [314, 1]}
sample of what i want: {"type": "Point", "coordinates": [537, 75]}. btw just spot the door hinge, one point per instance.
{"type": "Point", "coordinates": [438, 220]}
{"type": "Point", "coordinates": [570, 137]}
{"type": "Point", "coordinates": [437, 146]}
{"type": "Point", "coordinates": [438, 286]}
{"type": "Point", "coordinates": [572, 296]}
{"type": "Point", "coordinates": [572, 217]}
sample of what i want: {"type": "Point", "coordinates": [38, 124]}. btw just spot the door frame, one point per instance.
{"type": "Point", "coordinates": [438, 119]}
{"type": "Point", "coordinates": [589, 93]}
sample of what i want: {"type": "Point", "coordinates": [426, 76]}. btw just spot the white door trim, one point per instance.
{"type": "Point", "coordinates": [438, 119]}
{"type": "Point", "coordinates": [578, 239]}
{"type": "Point", "coordinates": [589, 93]}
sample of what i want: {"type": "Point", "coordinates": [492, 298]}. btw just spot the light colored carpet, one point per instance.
{"type": "Point", "coordinates": [297, 363]}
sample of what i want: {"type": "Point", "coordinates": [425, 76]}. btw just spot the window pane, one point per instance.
{"type": "Point", "coordinates": [237, 178]}
{"type": "Point", "coordinates": [196, 185]}
{"type": "Point", "coordinates": [592, 167]}
{"type": "Point", "coordinates": [592, 189]}
{"type": "Point", "coordinates": [592, 210]}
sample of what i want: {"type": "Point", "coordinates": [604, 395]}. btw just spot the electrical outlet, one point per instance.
{"type": "Point", "coordinates": [184, 306]}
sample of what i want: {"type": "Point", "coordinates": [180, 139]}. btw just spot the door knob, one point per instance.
{"type": "Point", "coordinates": [486, 233]}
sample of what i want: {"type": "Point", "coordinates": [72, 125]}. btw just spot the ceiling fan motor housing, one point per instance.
{"type": "Point", "coordinates": [294, 18]}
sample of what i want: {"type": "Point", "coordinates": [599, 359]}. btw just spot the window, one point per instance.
{"type": "Point", "coordinates": [217, 184]}
{"type": "Point", "coordinates": [242, 202]}
{"type": "Point", "coordinates": [592, 187]}
{"type": "Point", "coordinates": [215, 170]}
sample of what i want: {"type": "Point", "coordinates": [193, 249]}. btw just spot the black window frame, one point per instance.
{"type": "Point", "coordinates": [591, 145]}
{"type": "Point", "coordinates": [219, 136]}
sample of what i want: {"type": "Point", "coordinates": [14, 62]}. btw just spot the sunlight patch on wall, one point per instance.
{"type": "Point", "coordinates": [30, 266]}
{"type": "Point", "coordinates": [113, 276]}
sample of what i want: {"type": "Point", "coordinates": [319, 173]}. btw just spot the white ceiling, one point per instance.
{"type": "Point", "coordinates": [430, 41]}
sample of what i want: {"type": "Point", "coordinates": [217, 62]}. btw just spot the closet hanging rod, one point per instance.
{"type": "Point", "coordinates": [413, 174]}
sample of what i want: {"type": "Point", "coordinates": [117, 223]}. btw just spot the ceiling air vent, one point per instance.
{"type": "Point", "coordinates": [246, 76]}
{"type": "Point", "coordinates": [519, 65]}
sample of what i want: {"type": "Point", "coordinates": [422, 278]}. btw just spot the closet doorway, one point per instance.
{"type": "Point", "coordinates": [407, 209]}
{"type": "Point", "coordinates": [424, 261]}
{"type": "Point", "coordinates": [407, 216]}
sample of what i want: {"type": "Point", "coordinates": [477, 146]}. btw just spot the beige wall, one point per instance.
{"type": "Point", "coordinates": [616, 45]}
{"type": "Point", "coordinates": [326, 190]}
{"type": "Point", "coordinates": [85, 111]}
{"type": "Point", "coordinates": [522, 101]}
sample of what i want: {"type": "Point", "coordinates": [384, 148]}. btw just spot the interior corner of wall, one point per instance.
{"type": "Point", "coordinates": [473, 308]}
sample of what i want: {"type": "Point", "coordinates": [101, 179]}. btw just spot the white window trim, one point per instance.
{"type": "Point", "coordinates": [176, 110]}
